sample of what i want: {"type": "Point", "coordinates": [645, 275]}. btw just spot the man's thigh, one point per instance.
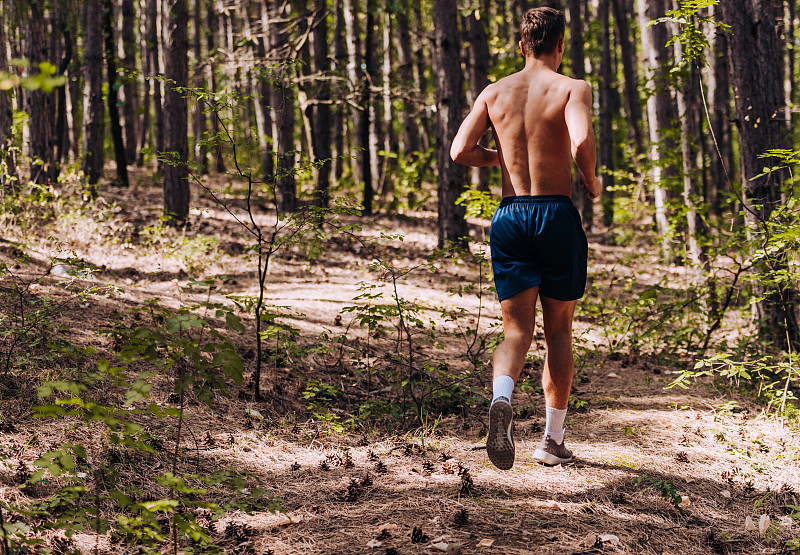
{"type": "Point", "coordinates": [557, 315]}
{"type": "Point", "coordinates": [519, 311]}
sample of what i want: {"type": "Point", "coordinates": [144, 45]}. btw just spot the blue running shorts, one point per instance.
{"type": "Point", "coordinates": [539, 240]}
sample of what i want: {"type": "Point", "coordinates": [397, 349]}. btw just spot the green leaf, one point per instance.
{"type": "Point", "coordinates": [234, 322]}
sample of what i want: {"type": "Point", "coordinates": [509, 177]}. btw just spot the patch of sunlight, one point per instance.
{"type": "Point", "coordinates": [623, 460]}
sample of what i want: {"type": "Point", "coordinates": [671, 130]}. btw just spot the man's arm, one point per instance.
{"type": "Point", "coordinates": [578, 115]}
{"type": "Point", "coordinates": [465, 148]}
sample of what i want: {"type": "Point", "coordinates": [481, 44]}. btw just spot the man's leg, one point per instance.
{"type": "Point", "coordinates": [559, 368]}
{"type": "Point", "coordinates": [518, 318]}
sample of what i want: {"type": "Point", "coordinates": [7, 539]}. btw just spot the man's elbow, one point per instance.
{"type": "Point", "coordinates": [458, 152]}
{"type": "Point", "coordinates": [583, 144]}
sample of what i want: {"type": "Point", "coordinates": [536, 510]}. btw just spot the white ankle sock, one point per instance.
{"type": "Point", "coordinates": [555, 424]}
{"type": "Point", "coordinates": [502, 386]}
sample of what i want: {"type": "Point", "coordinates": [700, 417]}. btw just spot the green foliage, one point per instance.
{"type": "Point", "coordinates": [771, 379]}
{"type": "Point", "coordinates": [408, 174]}
{"type": "Point", "coordinates": [479, 204]}
{"type": "Point", "coordinates": [664, 488]}
{"type": "Point", "coordinates": [691, 35]}
{"type": "Point", "coordinates": [87, 486]}
{"type": "Point", "coordinates": [320, 393]}
{"type": "Point", "coordinates": [660, 319]}
{"type": "Point", "coordinates": [45, 80]}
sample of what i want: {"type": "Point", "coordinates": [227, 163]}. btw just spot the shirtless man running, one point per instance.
{"type": "Point", "coordinates": [539, 118]}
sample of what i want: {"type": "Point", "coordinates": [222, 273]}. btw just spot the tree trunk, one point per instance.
{"type": "Point", "coordinates": [606, 143]}
{"type": "Point", "coordinates": [144, 127]}
{"type": "Point", "coordinates": [577, 68]}
{"type": "Point", "coordinates": [405, 60]}
{"type": "Point", "coordinates": [200, 121]}
{"type": "Point", "coordinates": [61, 136]}
{"type": "Point", "coordinates": [283, 104]}
{"type": "Point", "coordinates": [214, 31]}
{"type": "Point", "coordinates": [113, 87]}
{"type": "Point", "coordinates": [154, 42]}
{"type": "Point", "coordinates": [722, 164]}
{"type": "Point", "coordinates": [340, 55]}
{"type": "Point", "coordinates": [7, 163]}
{"type": "Point", "coordinates": [390, 144]}
{"type": "Point", "coordinates": [479, 79]}
{"type": "Point", "coordinates": [632, 108]}
{"type": "Point", "coordinates": [788, 72]}
{"type": "Point", "coordinates": [690, 132]}
{"type": "Point", "coordinates": [322, 110]}
{"type": "Point", "coordinates": [422, 46]}
{"type": "Point", "coordinates": [93, 108]}
{"type": "Point", "coordinates": [130, 88]}
{"type": "Point", "coordinates": [176, 141]}
{"type": "Point", "coordinates": [264, 108]}
{"type": "Point", "coordinates": [449, 109]}
{"type": "Point", "coordinates": [660, 108]}
{"type": "Point", "coordinates": [758, 99]}
{"type": "Point", "coordinates": [372, 100]}
{"type": "Point", "coordinates": [360, 85]}
{"type": "Point", "coordinates": [75, 101]}
{"type": "Point", "coordinates": [39, 103]}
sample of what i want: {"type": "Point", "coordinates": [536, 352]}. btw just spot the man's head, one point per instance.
{"type": "Point", "coordinates": [542, 31]}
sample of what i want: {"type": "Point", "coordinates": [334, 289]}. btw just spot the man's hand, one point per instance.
{"type": "Point", "coordinates": [592, 186]}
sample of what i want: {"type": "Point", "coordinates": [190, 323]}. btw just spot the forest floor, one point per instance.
{"type": "Point", "coordinates": [657, 471]}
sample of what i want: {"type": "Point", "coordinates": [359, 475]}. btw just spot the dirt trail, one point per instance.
{"type": "Point", "coordinates": [638, 446]}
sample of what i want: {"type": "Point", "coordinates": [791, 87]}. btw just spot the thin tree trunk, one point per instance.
{"type": "Point", "coordinates": [628, 51]}
{"type": "Point", "coordinates": [686, 100]}
{"type": "Point", "coordinates": [113, 110]}
{"type": "Point", "coordinates": [283, 104]}
{"type": "Point", "coordinates": [130, 88]}
{"type": "Point", "coordinates": [214, 31]}
{"type": "Point", "coordinates": [322, 110]}
{"type": "Point", "coordinates": [372, 100]}
{"type": "Point", "coordinates": [176, 141]}
{"type": "Point", "coordinates": [660, 110]}
{"type": "Point", "coordinates": [358, 81]}
{"type": "Point", "coordinates": [62, 136]}
{"type": "Point", "coordinates": [758, 98]}
{"type": "Point", "coordinates": [144, 126]}
{"type": "Point", "coordinates": [405, 60]}
{"type": "Point", "coordinates": [389, 136]}
{"type": "Point", "coordinates": [788, 72]}
{"type": "Point", "coordinates": [479, 79]}
{"type": "Point", "coordinates": [74, 106]}
{"type": "Point", "coordinates": [261, 96]}
{"type": "Point", "coordinates": [422, 45]}
{"type": "Point", "coordinates": [722, 163]}
{"type": "Point", "coordinates": [200, 121]}
{"type": "Point", "coordinates": [7, 163]}
{"type": "Point", "coordinates": [576, 64]}
{"type": "Point", "coordinates": [155, 42]}
{"type": "Point", "coordinates": [606, 144]}
{"type": "Point", "coordinates": [340, 55]}
{"type": "Point", "coordinates": [93, 108]}
{"type": "Point", "coordinates": [39, 103]}
{"type": "Point", "coordinates": [449, 107]}
{"type": "Point", "coordinates": [305, 139]}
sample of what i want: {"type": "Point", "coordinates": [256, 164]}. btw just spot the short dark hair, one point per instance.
{"type": "Point", "coordinates": [542, 29]}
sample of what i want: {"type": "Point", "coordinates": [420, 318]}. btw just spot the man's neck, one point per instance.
{"type": "Point", "coordinates": [545, 61]}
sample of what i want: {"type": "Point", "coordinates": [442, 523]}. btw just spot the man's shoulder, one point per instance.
{"type": "Point", "coordinates": [571, 82]}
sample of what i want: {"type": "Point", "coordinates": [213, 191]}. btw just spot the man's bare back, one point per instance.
{"type": "Point", "coordinates": [540, 119]}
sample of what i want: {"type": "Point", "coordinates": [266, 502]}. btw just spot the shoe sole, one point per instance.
{"type": "Point", "coordinates": [548, 458]}
{"type": "Point", "coordinates": [499, 443]}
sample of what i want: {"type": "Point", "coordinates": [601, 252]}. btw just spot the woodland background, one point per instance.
{"type": "Point", "coordinates": [246, 294]}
